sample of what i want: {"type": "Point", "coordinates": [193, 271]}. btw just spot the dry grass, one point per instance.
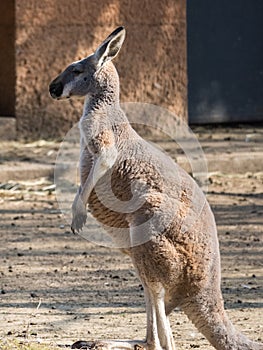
{"type": "Point", "coordinates": [18, 345]}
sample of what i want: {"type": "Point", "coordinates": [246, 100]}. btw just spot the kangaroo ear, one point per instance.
{"type": "Point", "coordinates": [110, 47]}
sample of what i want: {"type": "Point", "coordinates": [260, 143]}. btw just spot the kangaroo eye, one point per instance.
{"type": "Point", "coordinates": [77, 70]}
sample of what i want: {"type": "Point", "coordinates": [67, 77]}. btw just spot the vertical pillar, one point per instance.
{"type": "Point", "coordinates": [7, 58]}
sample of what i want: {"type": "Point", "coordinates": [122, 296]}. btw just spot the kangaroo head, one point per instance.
{"type": "Point", "coordinates": [82, 77]}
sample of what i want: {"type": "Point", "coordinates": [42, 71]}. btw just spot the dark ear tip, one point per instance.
{"type": "Point", "coordinates": [117, 30]}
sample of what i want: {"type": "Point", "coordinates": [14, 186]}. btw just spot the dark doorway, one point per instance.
{"type": "Point", "coordinates": [7, 58]}
{"type": "Point", "coordinates": [225, 60]}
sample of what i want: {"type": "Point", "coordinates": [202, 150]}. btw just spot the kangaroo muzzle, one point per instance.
{"type": "Point", "coordinates": [56, 89]}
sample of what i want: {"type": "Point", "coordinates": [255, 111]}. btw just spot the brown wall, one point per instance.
{"type": "Point", "coordinates": [51, 34]}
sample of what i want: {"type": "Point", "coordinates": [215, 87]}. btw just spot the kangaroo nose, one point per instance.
{"type": "Point", "coordinates": [55, 89]}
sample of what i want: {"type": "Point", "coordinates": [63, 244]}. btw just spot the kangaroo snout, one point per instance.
{"type": "Point", "coordinates": [55, 89]}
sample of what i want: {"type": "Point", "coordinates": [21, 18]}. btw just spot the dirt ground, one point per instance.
{"type": "Point", "coordinates": [56, 287]}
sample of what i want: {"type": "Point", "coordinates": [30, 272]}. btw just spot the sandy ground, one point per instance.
{"type": "Point", "coordinates": [56, 288]}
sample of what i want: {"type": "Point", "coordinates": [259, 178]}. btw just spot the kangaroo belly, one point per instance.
{"type": "Point", "coordinates": [105, 214]}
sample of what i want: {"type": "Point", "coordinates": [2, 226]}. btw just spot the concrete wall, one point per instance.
{"type": "Point", "coordinates": [51, 34]}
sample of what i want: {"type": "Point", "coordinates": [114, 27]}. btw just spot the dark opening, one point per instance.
{"type": "Point", "coordinates": [225, 60]}
{"type": "Point", "coordinates": [7, 58]}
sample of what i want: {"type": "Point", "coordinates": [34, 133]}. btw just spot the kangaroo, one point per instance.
{"type": "Point", "coordinates": [177, 267]}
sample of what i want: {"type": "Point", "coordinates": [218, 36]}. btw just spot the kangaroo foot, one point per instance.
{"type": "Point", "coordinates": [110, 345]}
